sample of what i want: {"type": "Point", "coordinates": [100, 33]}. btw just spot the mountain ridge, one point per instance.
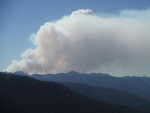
{"type": "Point", "coordinates": [22, 94]}
{"type": "Point", "coordinates": [136, 85]}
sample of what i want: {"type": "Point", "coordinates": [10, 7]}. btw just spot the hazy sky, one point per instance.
{"type": "Point", "coordinates": [22, 18]}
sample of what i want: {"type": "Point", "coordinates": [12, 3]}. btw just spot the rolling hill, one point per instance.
{"type": "Point", "coordinates": [110, 95]}
{"type": "Point", "coordinates": [136, 85]}
{"type": "Point", "coordinates": [21, 94]}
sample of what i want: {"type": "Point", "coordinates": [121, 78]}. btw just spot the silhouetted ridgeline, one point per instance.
{"type": "Point", "coordinates": [111, 95]}
{"type": "Point", "coordinates": [136, 85]}
{"type": "Point", "coordinates": [131, 91]}
{"type": "Point", "coordinates": [20, 94]}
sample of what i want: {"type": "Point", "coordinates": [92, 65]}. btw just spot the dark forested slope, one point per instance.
{"type": "Point", "coordinates": [20, 94]}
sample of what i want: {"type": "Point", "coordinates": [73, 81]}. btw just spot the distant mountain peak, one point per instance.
{"type": "Point", "coordinates": [73, 72]}
{"type": "Point", "coordinates": [20, 73]}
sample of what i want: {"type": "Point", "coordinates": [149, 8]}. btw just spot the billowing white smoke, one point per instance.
{"type": "Point", "coordinates": [87, 42]}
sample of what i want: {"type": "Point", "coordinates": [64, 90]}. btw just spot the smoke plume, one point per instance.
{"type": "Point", "coordinates": [85, 41]}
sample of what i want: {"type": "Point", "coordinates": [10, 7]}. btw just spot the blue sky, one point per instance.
{"type": "Point", "coordinates": [21, 18]}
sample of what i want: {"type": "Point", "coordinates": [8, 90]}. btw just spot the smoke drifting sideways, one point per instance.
{"type": "Point", "coordinates": [85, 41]}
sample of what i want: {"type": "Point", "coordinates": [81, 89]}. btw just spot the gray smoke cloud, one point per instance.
{"type": "Point", "coordinates": [88, 42]}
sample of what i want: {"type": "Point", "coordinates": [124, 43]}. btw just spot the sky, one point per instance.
{"type": "Point", "coordinates": [21, 19]}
